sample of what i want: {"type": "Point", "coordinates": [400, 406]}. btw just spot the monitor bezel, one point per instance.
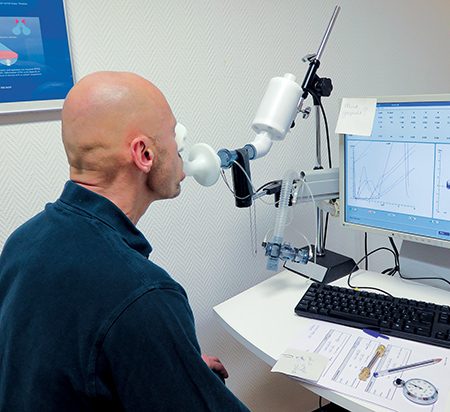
{"type": "Point", "coordinates": [384, 232]}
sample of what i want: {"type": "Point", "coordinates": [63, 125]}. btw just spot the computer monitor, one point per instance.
{"type": "Point", "coordinates": [397, 180]}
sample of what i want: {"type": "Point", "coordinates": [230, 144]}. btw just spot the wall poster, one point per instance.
{"type": "Point", "coordinates": [35, 65]}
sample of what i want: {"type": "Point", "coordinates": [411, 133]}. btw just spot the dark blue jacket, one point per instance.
{"type": "Point", "coordinates": [88, 323]}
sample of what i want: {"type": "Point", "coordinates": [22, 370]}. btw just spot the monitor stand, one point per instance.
{"type": "Point", "coordinates": [421, 260]}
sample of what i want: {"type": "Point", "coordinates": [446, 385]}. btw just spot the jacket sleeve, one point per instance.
{"type": "Point", "coordinates": [150, 360]}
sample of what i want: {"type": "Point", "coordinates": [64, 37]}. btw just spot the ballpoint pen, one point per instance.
{"type": "Point", "coordinates": [406, 367]}
{"type": "Point", "coordinates": [374, 333]}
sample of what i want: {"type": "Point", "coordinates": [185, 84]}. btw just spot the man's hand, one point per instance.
{"type": "Point", "coordinates": [216, 366]}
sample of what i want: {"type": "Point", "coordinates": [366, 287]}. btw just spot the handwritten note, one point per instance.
{"type": "Point", "coordinates": [356, 116]}
{"type": "Point", "coordinates": [301, 364]}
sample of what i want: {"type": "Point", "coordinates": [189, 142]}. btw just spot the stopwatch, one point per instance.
{"type": "Point", "coordinates": [418, 390]}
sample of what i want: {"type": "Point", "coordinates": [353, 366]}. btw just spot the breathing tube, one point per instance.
{"type": "Point", "coordinates": [281, 217]}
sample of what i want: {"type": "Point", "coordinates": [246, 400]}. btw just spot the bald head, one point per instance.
{"type": "Point", "coordinates": [102, 113]}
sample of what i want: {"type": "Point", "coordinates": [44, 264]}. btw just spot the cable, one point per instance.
{"type": "Point", "coordinates": [397, 267]}
{"type": "Point", "coordinates": [373, 288]}
{"type": "Point", "coordinates": [328, 135]}
{"type": "Point", "coordinates": [326, 127]}
{"type": "Point", "coordinates": [222, 173]}
{"type": "Point", "coordinates": [392, 271]}
{"type": "Point", "coordinates": [356, 266]}
{"type": "Point", "coordinates": [365, 251]}
{"type": "Point", "coordinates": [253, 235]}
{"type": "Point", "coordinates": [391, 239]}
{"type": "Point", "coordinates": [325, 230]}
{"type": "Point", "coordinates": [350, 274]}
{"type": "Point", "coordinates": [424, 278]}
{"type": "Point", "coordinates": [314, 204]}
{"type": "Point", "coordinates": [251, 184]}
{"type": "Point", "coordinates": [249, 180]}
{"type": "Point", "coordinates": [247, 176]}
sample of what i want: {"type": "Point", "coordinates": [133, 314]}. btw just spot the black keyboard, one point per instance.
{"type": "Point", "coordinates": [404, 318]}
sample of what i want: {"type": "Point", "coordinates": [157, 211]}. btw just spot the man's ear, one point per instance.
{"type": "Point", "coordinates": [142, 153]}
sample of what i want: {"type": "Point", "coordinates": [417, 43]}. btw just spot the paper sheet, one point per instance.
{"type": "Point", "coordinates": [349, 350]}
{"type": "Point", "coordinates": [356, 116]}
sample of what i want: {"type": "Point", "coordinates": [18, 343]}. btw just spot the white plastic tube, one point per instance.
{"type": "Point", "coordinates": [261, 145]}
{"type": "Point", "coordinates": [281, 216]}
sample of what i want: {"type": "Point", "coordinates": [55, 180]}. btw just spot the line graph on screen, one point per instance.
{"type": "Point", "coordinates": [401, 181]}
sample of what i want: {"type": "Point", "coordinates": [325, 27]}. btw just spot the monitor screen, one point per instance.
{"type": "Point", "coordinates": [397, 181]}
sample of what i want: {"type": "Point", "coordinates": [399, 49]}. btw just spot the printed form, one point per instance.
{"type": "Point", "coordinates": [349, 350]}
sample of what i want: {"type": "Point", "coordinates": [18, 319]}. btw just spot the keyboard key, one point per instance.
{"type": "Point", "coordinates": [385, 324]}
{"type": "Point", "coordinates": [443, 318]}
{"type": "Point", "coordinates": [440, 335]}
{"type": "Point", "coordinates": [354, 317]}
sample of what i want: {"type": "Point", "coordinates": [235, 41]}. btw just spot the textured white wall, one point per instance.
{"type": "Point", "coordinates": [213, 60]}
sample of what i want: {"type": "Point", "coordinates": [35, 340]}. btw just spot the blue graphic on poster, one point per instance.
{"type": "Point", "coordinates": [34, 51]}
{"type": "Point", "coordinates": [23, 35]}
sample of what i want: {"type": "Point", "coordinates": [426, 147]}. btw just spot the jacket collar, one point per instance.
{"type": "Point", "coordinates": [103, 209]}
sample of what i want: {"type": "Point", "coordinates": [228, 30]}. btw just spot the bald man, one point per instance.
{"type": "Point", "coordinates": [87, 321]}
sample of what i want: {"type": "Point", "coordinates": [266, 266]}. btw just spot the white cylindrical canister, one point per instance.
{"type": "Point", "coordinates": [278, 107]}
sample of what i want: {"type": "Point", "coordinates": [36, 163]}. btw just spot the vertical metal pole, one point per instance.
{"type": "Point", "coordinates": [320, 250]}
{"type": "Point", "coordinates": [324, 41]}
{"type": "Point", "coordinates": [319, 213]}
{"type": "Point", "coordinates": [307, 86]}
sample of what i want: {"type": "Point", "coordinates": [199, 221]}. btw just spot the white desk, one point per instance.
{"type": "Point", "coordinates": [262, 318]}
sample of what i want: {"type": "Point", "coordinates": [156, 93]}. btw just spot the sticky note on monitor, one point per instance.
{"type": "Point", "coordinates": [356, 116]}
